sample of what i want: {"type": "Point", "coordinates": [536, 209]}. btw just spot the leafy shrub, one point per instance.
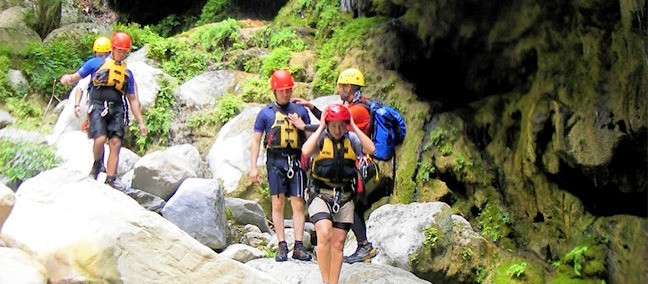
{"type": "Point", "coordinates": [23, 160]}
{"type": "Point", "coordinates": [278, 59]}
{"type": "Point", "coordinates": [6, 91]}
{"type": "Point", "coordinates": [44, 64]}
{"type": "Point", "coordinates": [256, 89]}
{"type": "Point", "coordinates": [213, 11]}
{"type": "Point", "coordinates": [229, 106]}
{"type": "Point", "coordinates": [271, 37]}
{"type": "Point", "coordinates": [177, 58]}
{"type": "Point", "coordinates": [158, 119]}
{"type": "Point", "coordinates": [219, 37]}
{"type": "Point", "coordinates": [139, 35]}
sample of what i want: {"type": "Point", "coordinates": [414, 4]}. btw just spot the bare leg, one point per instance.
{"type": "Point", "coordinates": [298, 206]}
{"type": "Point", "coordinates": [113, 157]}
{"type": "Point", "coordinates": [324, 230]}
{"type": "Point", "coordinates": [278, 216]}
{"type": "Point", "coordinates": [98, 147]}
{"type": "Point", "coordinates": [337, 245]}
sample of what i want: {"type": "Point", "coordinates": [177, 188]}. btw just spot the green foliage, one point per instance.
{"type": "Point", "coordinates": [45, 17]}
{"type": "Point", "coordinates": [28, 114]}
{"type": "Point", "coordinates": [157, 119]}
{"type": "Point", "coordinates": [446, 150]}
{"type": "Point", "coordinates": [178, 59]}
{"type": "Point", "coordinates": [139, 35]}
{"type": "Point", "coordinates": [493, 222]}
{"type": "Point", "coordinates": [467, 254]}
{"type": "Point", "coordinates": [278, 59]}
{"type": "Point", "coordinates": [432, 235]}
{"type": "Point", "coordinates": [265, 192]}
{"type": "Point", "coordinates": [218, 37]}
{"type": "Point", "coordinates": [185, 57]}
{"type": "Point", "coordinates": [461, 164]}
{"type": "Point", "coordinates": [285, 37]}
{"type": "Point", "coordinates": [438, 136]}
{"type": "Point", "coordinates": [198, 120]}
{"type": "Point", "coordinates": [229, 106]}
{"type": "Point", "coordinates": [351, 35]}
{"type": "Point", "coordinates": [213, 11]}
{"type": "Point", "coordinates": [45, 64]}
{"type": "Point", "coordinates": [424, 172]}
{"type": "Point", "coordinates": [6, 91]}
{"type": "Point", "coordinates": [516, 270]}
{"type": "Point", "coordinates": [256, 89]}
{"type": "Point", "coordinates": [576, 258]}
{"type": "Point", "coordinates": [480, 274]}
{"type": "Point", "coordinates": [23, 160]}
{"type": "Point", "coordinates": [326, 76]}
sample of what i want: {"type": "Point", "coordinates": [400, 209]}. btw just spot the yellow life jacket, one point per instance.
{"type": "Point", "coordinates": [283, 134]}
{"type": "Point", "coordinates": [112, 74]}
{"type": "Point", "coordinates": [335, 163]}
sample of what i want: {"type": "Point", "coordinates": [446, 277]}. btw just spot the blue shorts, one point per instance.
{"type": "Point", "coordinates": [278, 176]}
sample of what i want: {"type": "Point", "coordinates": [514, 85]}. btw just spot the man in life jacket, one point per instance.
{"type": "Point", "coordinates": [286, 177]}
{"type": "Point", "coordinates": [112, 84]}
{"type": "Point", "coordinates": [349, 88]}
{"type": "Point", "coordinates": [334, 151]}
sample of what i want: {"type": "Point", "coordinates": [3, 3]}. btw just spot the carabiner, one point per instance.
{"type": "Point", "coordinates": [336, 204]}
{"type": "Point", "coordinates": [290, 172]}
{"type": "Point", "coordinates": [104, 112]}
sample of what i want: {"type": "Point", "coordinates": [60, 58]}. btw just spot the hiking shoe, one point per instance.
{"type": "Point", "coordinates": [282, 253]}
{"type": "Point", "coordinates": [96, 168]}
{"type": "Point", "coordinates": [300, 254]}
{"type": "Point", "coordinates": [363, 253]}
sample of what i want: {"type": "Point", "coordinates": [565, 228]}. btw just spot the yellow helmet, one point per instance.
{"type": "Point", "coordinates": [351, 76]}
{"type": "Point", "coordinates": [102, 44]}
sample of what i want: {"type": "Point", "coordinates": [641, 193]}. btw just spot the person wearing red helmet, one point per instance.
{"type": "Point", "coordinates": [112, 91]}
{"type": "Point", "coordinates": [286, 177]}
{"type": "Point", "coordinates": [334, 151]}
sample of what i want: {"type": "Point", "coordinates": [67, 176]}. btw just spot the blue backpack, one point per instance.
{"type": "Point", "coordinates": [387, 129]}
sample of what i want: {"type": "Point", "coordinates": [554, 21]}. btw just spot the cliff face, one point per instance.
{"type": "Point", "coordinates": [541, 113]}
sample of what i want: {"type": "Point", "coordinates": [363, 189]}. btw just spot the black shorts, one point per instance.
{"type": "Point", "coordinates": [111, 124]}
{"type": "Point", "coordinates": [278, 180]}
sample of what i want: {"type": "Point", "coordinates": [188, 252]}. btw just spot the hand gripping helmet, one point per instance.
{"type": "Point", "coordinates": [337, 112]}
{"type": "Point", "coordinates": [121, 40]}
{"type": "Point", "coordinates": [351, 76]}
{"type": "Point", "coordinates": [101, 45]}
{"type": "Point", "coordinates": [281, 80]}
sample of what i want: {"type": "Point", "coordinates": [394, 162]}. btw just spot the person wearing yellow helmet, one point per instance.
{"type": "Point", "coordinates": [112, 92]}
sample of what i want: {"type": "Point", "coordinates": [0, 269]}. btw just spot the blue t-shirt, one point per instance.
{"type": "Point", "coordinates": [92, 65]}
{"type": "Point", "coordinates": [266, 116]}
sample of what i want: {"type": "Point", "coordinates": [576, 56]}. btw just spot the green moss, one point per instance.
{"type": "Point", "coordinates": [494, 223]}
{"type": "Point", "coordinates": [517, 270]}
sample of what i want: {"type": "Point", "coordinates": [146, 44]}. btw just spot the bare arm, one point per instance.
{"type": "Point", "coordinates": [309, 147]}
{"type": "Point", "coordinates": [78, 94]}
{"type": "Point", "coordinates": [69, 79]}
{"type": "Point", "coordinates": [137, 111]}
{"type": "Point", "coordinates": [254, 155]}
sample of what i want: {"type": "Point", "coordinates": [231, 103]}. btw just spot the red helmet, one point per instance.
{"type": "Point", "coordinates": [337, 112]}
{"type": "Point", "coordinates": [121, 40]}
{"type": "Point", "coordinates": [281, 80]}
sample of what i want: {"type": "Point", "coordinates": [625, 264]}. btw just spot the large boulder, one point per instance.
{"type": "Point", "coordinates": [84, 231]}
